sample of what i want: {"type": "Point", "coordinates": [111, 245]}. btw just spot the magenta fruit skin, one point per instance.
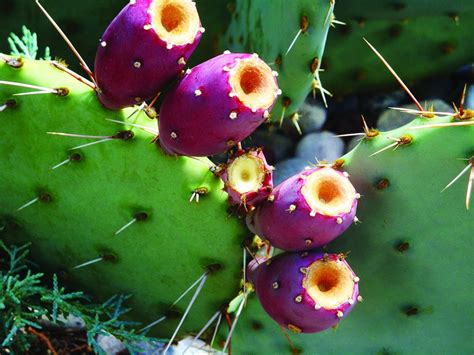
{"type": "Point", "coordinates": [249, 199]}
{"type": "Point", "coordinates": [252, 268]}
{"type": "Point", "coordinates": [296, 230]}
{"type": "Point", "coordinates": [279, 283]}
{"type": "Point", "coordinates": [193, 124]}
{"type": "Point", "coordinates": [132, 63]}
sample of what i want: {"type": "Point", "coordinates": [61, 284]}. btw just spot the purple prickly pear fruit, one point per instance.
{"type": "Point", "coordinates": [144, 48]}
{"type": "Point", "coordinates": [217, 104]}
{"type": "Point", "coordinates": [247, 178]}
{"type": "Point", "coordinates": [306, 211]}
{"type": "Point", "coordinates": [306, 292]}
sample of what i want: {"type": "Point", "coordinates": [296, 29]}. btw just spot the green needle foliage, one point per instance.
{"type": "Point", "coordinates": [25, 301]}
{"type": "Point", "coordinates": [27, 45]}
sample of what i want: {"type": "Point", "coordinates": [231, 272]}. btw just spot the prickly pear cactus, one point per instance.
{"type": "Point", "coordinates": [108, 211]}
{"type": "Point", "coordinates": [409, 251]}
{"type": "Point", "coordinates": [291, 36]}
{"type": "Point", "coordinates": [114, 216]}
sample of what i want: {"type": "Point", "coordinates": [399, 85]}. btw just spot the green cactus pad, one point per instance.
{"type": "Point", "coordinates": [83, 204]}
{"type": "Point", "coordinates": [411, 251]}
{"type": "Point", "coordinates": [270, 28]}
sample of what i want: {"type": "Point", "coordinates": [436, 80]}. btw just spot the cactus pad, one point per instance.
{"type": "Point", "coordinates": [120, 202]}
